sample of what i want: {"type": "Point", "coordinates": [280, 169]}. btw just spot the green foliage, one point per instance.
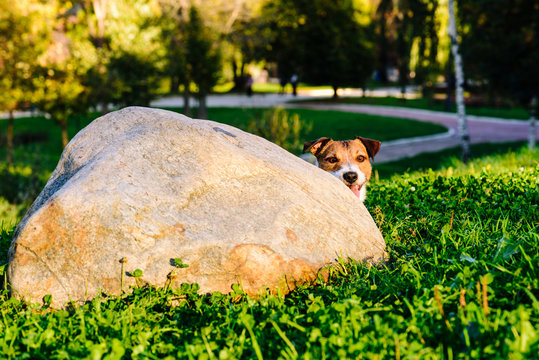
{"type": "Point", "coordinates": [59, 75]}
{"type": "Point", "coordinates": [179, 263]}
{"type": "Point", "coordinates": [202, 55]}
{"type": "Point", "coordinates": [322, 40]}
{"type": "Point", "coordinates": [9, 213]}
{"type": "Point", "coordinates": [173, 35]}
{"type": "Point", "coordinates": [416, 27]}
{"type": "Point", "coordinates": [20, 184]}
{"type": "Point", "coordinates": [137, 273]}
{"type": "Point", "coordinates": [133, 79]}
{"type": "Point", "coordinates": [500, 46]}
{"type": "Point", "coordinates": [281, 128]}
{"type": "Point", "coordinates": [129, 49]}
{"type": "Point", "coordinates": [461, 283]}
{"type": "Point", "coordinates": [23, 38]}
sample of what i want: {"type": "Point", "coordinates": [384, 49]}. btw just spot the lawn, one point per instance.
{"type": "Point", "coordinates": [335, 124]}
{"type": "Point", "coordinates": [461, 283]}
{"type": "Point", "coordinates": [441, 159]}
{"type": "Point", "coordinates": [516, 112]}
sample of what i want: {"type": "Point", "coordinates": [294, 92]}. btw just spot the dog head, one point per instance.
{"type": "Point", "coordinates": [348, 160]}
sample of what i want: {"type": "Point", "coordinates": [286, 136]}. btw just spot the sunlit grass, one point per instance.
{"type": "Point", "coordinates": [461, 282]}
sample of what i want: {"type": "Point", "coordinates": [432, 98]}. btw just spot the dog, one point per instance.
{"type": "Point", "coordinates": [348, 160]}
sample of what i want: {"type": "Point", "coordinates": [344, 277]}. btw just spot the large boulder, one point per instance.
{"type": "Point", "coordinates": [152, 185]}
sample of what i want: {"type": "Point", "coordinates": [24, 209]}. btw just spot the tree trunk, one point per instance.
{"type": "Point", "coordinates": [382, 70]}
{"type": "Point", "coordinates": [531, 136]}
{"type": "Point", "coordinates": [383, 12]}
{"type": "Point", "coordinates": [9, 153]}
{"type": "Point", "coordinates": [239, 79]}
{"type": "Point", "coordinates": [65, 137]}
{"type": "Point", "coordinates": [186, 96]}
{"type": "Point", "coordinates": [202, 109]}
{"type": "Point", "coordinates": [174, 84]}
{"type": "Point", "coordinates": [236, 78]}
{"type": "Point", "coordinates": [403, 91]}
{"type": "Point", "coordinates": [459, 82]}
{"type": "Point", "coordinates": [335, 95]}
{"type": "Point", "coordinates": [104, 107]}
{"type": "Point", "coordinates": [242, 75]}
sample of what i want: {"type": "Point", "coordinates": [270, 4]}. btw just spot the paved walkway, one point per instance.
{"type": "Point", "coordinates": [481, 129]}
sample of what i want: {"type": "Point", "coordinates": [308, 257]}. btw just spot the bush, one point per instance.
{"type": "Point", "coordinates": [281, 128]}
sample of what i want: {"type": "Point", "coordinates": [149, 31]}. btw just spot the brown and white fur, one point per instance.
{"type": "Point", "coordinates": [348, 160]}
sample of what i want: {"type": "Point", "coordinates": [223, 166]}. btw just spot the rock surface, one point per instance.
{"type": "Point", "coordinates": [152, 185]}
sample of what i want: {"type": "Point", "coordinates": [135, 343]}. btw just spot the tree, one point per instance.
{"type": "Point", "coordinates": [129, 51]}
{"type": "Point", "coordinates": [249, 38]}
{"type": "Point", "coordinates": [459, 74]}
{"type": "Point", "coordinates": [407, 32]}
{"type": "Point", "coordinates": [133, 79]}
{"type": "Point", "coordinates": [98, 93]}
{"type": "Point", "coordinates": [246, 32]}
{"type": "Point", "coordinates": [174, 20]}
{"type": "Point", "coordinates": [322, 40]}
{"type": "Point", "coordinates": [384, 37]}
{"type": "Point", "coordinates": [203, 59]}
{"type": "Point", "coordinates": [59, 76]}
{"type": "Point", "coordinates": [501, 49]}
{"type": "Point", "coordinates": [23, 37]}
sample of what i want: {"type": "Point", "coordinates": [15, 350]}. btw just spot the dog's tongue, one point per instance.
{"type": "Point", "coordinates": [355, 189]}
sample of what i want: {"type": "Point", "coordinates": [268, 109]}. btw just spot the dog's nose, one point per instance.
{"type": "Point", "coordinates": [350, 177]}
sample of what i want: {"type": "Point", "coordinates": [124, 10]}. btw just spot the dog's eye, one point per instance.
{"type": "Point", "coordinates": [361, 158]}
{"type": "Point", "coordinates": [332, 160]}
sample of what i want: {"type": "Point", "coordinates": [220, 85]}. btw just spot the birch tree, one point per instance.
{"type": "Point", "coordinates": [464, 137]}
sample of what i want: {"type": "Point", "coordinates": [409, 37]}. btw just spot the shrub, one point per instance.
{"type": "Point", "coordinates": [281, 128]}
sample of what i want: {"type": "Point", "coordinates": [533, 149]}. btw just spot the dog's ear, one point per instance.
{"type": "Point", "coordinates": [372, 146]}
{"type": "Point", "coordinates": [315, 146]}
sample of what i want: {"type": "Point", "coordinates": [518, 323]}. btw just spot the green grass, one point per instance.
{"type": "Point", "coordinates": [515, 112]}
{"type": "Point", "coordinates": [462, 283]}
{"type": "Point", "coordinates": [441, 159]}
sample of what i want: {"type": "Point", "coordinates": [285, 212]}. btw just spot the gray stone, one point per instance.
{"type": "Point", "coordinates": [151, 185]}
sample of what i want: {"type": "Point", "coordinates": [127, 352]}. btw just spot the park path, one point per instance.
{"type": "Point", "coordinates": [481, 129]}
